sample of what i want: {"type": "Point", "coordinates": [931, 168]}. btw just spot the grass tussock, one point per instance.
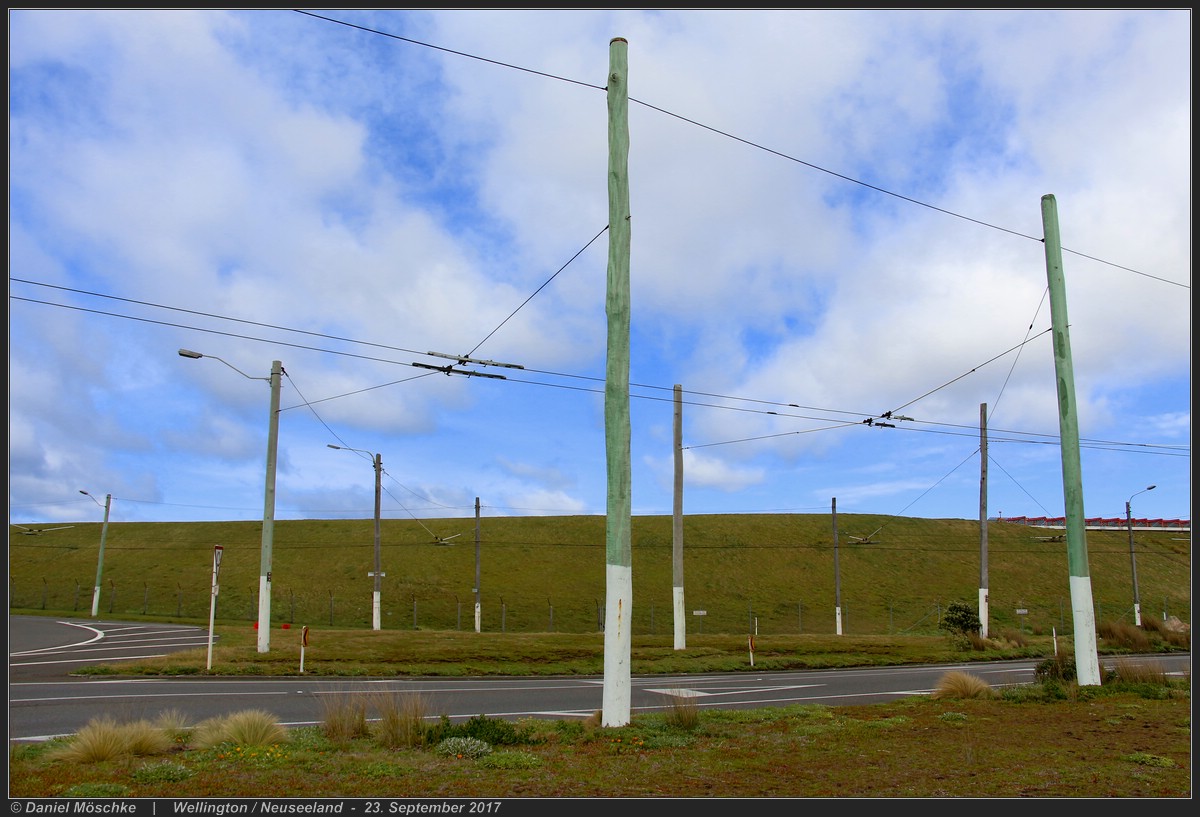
{"type": "Point", "coordinates": [962, 685]}
{"type": "Point", "coordinates": [251, 727]}
{"type": "Point", "coordinates": [1134, 671]}
{"type": "Point", "coordinates": [1129, 636]}
{"type": "Point", "coordinates": [100, 740]}
{"type": "Point", "coordinates": [728, 753]}
{"type": "Point", "coordinates": [343, 718]}
{"type": "Point", "coordinates": [683, 713]}
{"type": "Point", "coordinates": [402, 719]}
{"type": "Point", "coordinates": [1015, 637]}
{"type": "Point", "coordinates": [105, 739]}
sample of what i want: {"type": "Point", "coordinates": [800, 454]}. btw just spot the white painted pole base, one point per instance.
{"type": "Point", "coordinates": [1087, 660]}
{"type": "Point", "coordinates": [264, 614]}
{"type": "Point", "coordinates": [680, 618]}
{"type": "Point", "coordinates": [838, 613]}
{"type": "Point", "coordinates": [983, 612]}
{"type": "Point", "coordinates": [618, 642]}
{"type": "Point", "coordinates": [1137, 614]}
{"type": "Point", "coordinates": [375, 611]}
{"type": "Point", "coordinates": [477, 616]}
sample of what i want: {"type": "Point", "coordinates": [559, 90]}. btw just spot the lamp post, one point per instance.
{"type": "Point", "coordinates": [378, 572]}
{"type": "Point", "coordinates": [1137, 604]}
{"type": "Point", "coordinates": [268, 529]}
{"type": "Point", "coordinates": [100, 558]}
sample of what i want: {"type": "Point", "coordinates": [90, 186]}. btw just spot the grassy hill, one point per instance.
{"type": "Point", "coordinates": [765, 573]}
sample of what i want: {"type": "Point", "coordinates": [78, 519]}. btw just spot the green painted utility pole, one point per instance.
{"type": "Point", "coordinates": [677, 529]}
{"type": "Point", "coordinates": [618, 619]}
{"type": "Point", "coordinates": [983, 522]}
{"type": "Point", "coordinates": [1087, 662]}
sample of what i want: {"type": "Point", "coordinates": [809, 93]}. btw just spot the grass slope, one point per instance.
{"type": "Point", "coordinates": [764, 573]}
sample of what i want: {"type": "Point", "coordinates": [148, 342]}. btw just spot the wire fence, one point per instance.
{"type": "Point", "coordinates": [337, 609]}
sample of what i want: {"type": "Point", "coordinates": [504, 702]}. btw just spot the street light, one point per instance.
{"type": "Point", "coordinates": [100, 559]}
{"type": "Point", "coordinates": [378, 574]}
{"type": "Point", "coordinates": [268, 530]}
{"type": "Point", "coordinates": [1137, 604]}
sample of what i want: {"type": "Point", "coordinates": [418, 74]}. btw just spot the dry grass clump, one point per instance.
{"type": "Point", "coordinates": [251, 727]}
{"type": "Point", "coordinates": [1175, 636]}
{"type": "Point", "coordinates": [1126, 635]}
{"type": "Point", "coordinates": [175, 724]}
{"type": "Point", "coordinates": [104, 739]}
{"type": "Point", "coordinates": [344, 718]}
{"type": "Point", "coordinates": [957, 684]}
{"type": "Point", "coordinates": [401, 719]}
{"type": "Point", "coordinates": [146, 739]}
{"type": "Point", "coordinates": [1132, 671]}
{"type": "Point", "coordinates": [683, 713]}
{"type": "Point", "coordinates": [1015, 637]}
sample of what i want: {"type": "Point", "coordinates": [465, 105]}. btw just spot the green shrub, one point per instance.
{"type": "Point", "coordinates": [493, 731]}
{"type": "Point", "coordinates": [960, 618]}
{"type": "Point", "coordinates": [463, 747]}
{"type": "Point", "coordinates": [1060, 667]}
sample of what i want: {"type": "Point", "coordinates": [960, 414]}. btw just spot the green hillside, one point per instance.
{"type": "Point", "coordinates": [765, 573]}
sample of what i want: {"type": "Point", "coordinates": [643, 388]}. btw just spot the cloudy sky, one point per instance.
{"type": "Point", "coordinates": [835, 214]}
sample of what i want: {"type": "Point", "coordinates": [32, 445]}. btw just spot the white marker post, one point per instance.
{"type": "Point", "coordinates": [751, 640]}
{"type": "Point", "coordinates": [303, 644]}
{"type": "Point", "coordinates": [212, 605]}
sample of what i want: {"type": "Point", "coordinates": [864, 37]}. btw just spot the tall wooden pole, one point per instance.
{"type": "Point", "coordinates": [677, 529]}
{"type": "Point", "coordinates": [983, 522]}
{"type": "Point", "coordinates": [618, 618]}
{"type": "Point", "coordinates": [376, 604]}
{"type": "Point", "coordinates": [477, 607]}
{"type": "Point", "coordinates": [268, 526]}
{"type": "Point", "coordinates": [837, 575]}
{"type": "Point", "coordinates": [1087, 662]}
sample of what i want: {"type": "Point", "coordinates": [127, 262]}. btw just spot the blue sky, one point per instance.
{"type": "Point", "coordinates": [835, 214]}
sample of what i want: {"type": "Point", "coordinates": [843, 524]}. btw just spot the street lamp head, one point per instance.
{"type": "Point", "coordinates": [85, 493]}
{"type": "Point", "coordinates": [190, 353]}
{"type": "Point", "coordinates": [331, 445]}
{"type": "Point", "coordinates": [1151, 487]}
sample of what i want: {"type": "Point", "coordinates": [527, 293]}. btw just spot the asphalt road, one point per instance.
{"type": "Point", "coordinates": [44, 700]}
